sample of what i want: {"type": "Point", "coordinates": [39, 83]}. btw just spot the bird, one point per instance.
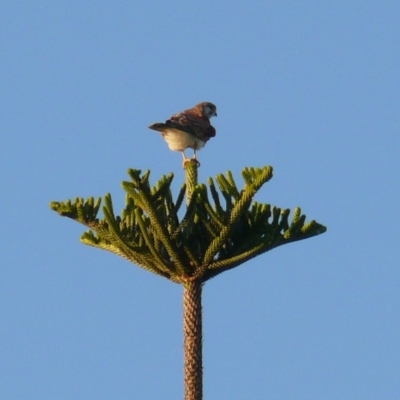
{"type": "Point", "coordinates": [188, 129]}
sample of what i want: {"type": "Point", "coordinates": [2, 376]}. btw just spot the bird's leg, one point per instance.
{"type": "Point", "coordinates": [194, 158]}
{"type": "Point", "coordinates": [185, 160]}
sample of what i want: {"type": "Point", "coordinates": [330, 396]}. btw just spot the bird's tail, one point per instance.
{"type": "Point", "coordinates": [158, 126]}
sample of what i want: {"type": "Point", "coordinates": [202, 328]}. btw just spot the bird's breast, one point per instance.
{"type": "Point", "coordinates": [178, 140]}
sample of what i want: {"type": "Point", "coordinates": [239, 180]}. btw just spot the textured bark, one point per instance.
{"type": "Point", "coordinates": [193, 340]}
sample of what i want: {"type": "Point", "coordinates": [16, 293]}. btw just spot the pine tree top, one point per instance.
{"type": "Point", "coordinates": [196, 243]}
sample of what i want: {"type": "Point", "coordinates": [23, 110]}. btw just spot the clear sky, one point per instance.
{"type": "Point", "coordinates": [311, 88]}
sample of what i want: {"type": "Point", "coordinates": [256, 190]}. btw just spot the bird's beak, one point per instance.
{"type": "Point", "coordinates": [215, 114]}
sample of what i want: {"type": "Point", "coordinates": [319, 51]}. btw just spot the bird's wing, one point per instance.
{"type": "Point", "coordinates": [190, 121]}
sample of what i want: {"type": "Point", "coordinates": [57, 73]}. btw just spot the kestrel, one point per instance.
{"type": "Point", "coordinates": [188, 129]}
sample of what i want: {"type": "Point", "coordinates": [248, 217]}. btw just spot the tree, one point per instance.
{"type": "Point", "coordinates": [193, 246]}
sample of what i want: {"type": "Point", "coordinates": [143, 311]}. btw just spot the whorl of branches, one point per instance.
{"type": "Point", "coordinates": [198, 243]}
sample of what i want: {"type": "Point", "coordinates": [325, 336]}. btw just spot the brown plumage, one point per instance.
{"type": "Point", "coordinates": [188, 129]}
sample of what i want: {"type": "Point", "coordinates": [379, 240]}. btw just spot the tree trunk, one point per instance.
{"type": "Point", "coordinates": [193, 340]}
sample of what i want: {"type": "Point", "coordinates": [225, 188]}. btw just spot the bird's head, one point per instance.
{"type": "Point", "coordinates": [207, 109]}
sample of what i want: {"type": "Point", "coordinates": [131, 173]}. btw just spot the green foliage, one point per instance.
{"type": "Point", "coordinates": [206, 240]}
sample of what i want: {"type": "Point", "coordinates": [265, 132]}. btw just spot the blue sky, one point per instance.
{"type": "Point", "coordinates": [311, 88]}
